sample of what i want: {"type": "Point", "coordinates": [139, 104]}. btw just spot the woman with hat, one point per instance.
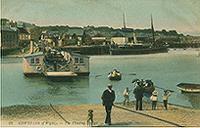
{"type": "Point", "coordinates": [154, 99]}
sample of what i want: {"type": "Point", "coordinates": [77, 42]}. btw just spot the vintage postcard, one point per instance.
{"type": "Point", "coordinates": [100, 63]}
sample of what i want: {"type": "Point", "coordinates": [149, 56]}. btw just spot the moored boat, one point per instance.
{"type": "Point", "coordinates": [189, 87]}
{"type": "Point", "coordinates": [54, 63]}
{"type": "Point", "coordinates": [114, 75]}
{"type": "Point", "coordinates": [135, 48]}
{"type": "Point", "coordinates": [126, 50]}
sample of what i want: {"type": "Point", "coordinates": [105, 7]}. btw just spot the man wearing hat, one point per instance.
{"type": "Point", "coordinates": [138, 91]}
{"type": "Point", "coordinates": [108, 98]}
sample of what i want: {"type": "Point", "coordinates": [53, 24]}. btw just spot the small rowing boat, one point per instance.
{"type": "Point", "coordinates": [189, 87]}
{"type": "Point", "coordinates": [114, 75]}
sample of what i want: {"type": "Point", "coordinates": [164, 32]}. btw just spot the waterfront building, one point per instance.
{"type": "Point", "coordinates": [99, 39]}
{"type": "Point", "coordinates": [142, 37]}
{"type": "Point", "coordinates": [9, 38]}
{"type": "Point", "coordinates": [119, 40]}
{"type": "Point", "coordinates": [5, 22]}
{"type": "Point", "coordinates": [24, 36]}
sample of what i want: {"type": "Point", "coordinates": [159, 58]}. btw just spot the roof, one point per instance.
{"type": "Point", "coordinates": [118, 34]}
{"type": "Point", "coordinates": [142, 34]}
{"type": "Point", "coordinates": [77, 54]}
{"type": "Point", "coordinates": [99, 35]}
{"type": "Point", "coordinates": [8, 29]}
{"type": "Point", "coordinates": [22, 30]}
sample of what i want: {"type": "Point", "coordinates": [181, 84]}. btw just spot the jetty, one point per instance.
{"type": "Point", "coordinates": [76, 115]}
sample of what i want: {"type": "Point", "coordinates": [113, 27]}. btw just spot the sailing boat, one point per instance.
{"type": "Point", "coordinates": [139, 48]}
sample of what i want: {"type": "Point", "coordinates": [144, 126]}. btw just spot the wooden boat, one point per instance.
{"type": "Point", "coordinates": [189, 87]}
{"type": "Point", "coordinates": [134, 49]}
{"type": "Point", "coordinates": [54, 63]}
{"type": "Point", "coordinates": [126, 50]}
{"type": "Point", "coordinates": [114, 75]}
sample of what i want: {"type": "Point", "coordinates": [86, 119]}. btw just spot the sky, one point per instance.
{"type": "Point", "coordinates": [180, 15]}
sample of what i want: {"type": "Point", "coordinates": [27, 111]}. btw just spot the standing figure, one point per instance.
{"type": "Point", "coordinates": [108, 97]}
{"type": "Point", "coordinates": [154, 99]}
{"type": "Point", "coordinates": [165, 98]}
{"type": "Point", "coordinates": [126, 96]}
{"type": "Point", "coordinates": [138, 91]}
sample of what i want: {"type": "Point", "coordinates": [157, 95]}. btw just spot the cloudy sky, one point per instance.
{"type": "Point", "coordinates": [182, 15]}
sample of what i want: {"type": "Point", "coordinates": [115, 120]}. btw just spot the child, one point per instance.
{"type": "Point", "coordinates": [126, 96]}
{"type": "Point", "coordinates": [154, 99]}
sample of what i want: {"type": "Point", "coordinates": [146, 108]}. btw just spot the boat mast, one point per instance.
{"type": "Point", "coordinates": [152, 30]}
{"type": "Point", "coordinates": [124, 21]}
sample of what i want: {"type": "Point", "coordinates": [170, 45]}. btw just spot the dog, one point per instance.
{"type": "Point", "coordinates": [90, 118]}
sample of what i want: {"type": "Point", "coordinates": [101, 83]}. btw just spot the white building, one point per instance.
{"type": "Point", "coordinates": [119, 40]}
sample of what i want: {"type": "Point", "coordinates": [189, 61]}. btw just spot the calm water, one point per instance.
{"type": "Point", "coordinates": [166, 70]}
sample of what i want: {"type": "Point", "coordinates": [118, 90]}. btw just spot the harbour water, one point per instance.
{"type": "Point", "coordinates": [165, 70]}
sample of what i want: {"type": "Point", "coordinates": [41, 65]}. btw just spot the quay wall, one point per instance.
{"type": "Point", "coordinates": [88, 50]}
{"type": "Point", "coordinates": [184, 45]}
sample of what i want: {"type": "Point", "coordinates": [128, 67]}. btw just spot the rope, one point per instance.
{"type": "Point", "coordinates": [59, 114]}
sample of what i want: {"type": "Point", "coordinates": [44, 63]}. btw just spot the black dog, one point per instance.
{"type": "Point", "coordinates": [90, 118]}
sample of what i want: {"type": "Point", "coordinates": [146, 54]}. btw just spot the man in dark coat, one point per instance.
{"type": "Point", "coordinates": [108, 98]}
{"type": "Point", "coordinates": [138, 91]}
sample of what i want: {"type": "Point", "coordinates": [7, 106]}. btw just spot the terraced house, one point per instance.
{"type": "Point", "coordinates": [9, 38]}
{"type": "Point", "coordinates": [24, 36]}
